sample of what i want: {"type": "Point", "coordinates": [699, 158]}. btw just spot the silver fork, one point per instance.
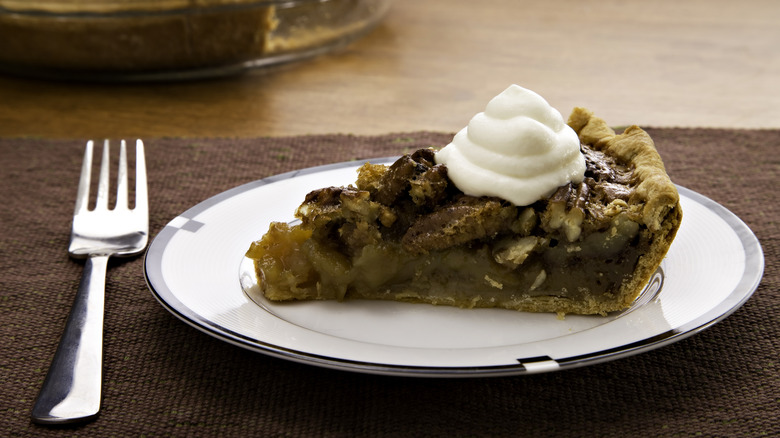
{"type": "Point", "coordinates": [71, 391]}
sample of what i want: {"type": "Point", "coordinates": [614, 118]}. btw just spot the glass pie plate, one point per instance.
{"type": "Point", "coordinates": [125, 40]}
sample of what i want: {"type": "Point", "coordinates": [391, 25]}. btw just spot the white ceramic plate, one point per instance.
{"type": "Point", "coordinates": [197, 270]}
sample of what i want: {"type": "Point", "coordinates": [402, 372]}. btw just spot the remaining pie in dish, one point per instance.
{"type": "Point", "coordinates": [408, 232]}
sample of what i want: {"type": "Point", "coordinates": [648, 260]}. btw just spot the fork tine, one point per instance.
{"type": "Point", "coordinates": [121, 178]}
{"type": "Point", "coordinates": [82, 197]}
{"type": "Point", "coordinates": [141, 194]}
{"type": "Point", "coordinates": [102, 192]}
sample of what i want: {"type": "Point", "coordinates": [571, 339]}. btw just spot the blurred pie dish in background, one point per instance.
{"type": "Point", "coordinates": [173, 39]}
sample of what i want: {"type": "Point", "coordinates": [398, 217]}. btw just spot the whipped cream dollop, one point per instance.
{"type": "Point", "coordinates": [518, 149]}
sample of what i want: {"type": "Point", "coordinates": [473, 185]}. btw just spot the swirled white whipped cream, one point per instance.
{"type": "Point", "coordinates": [518, 149]}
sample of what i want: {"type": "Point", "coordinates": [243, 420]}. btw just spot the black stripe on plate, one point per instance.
{"type": "Point", "coordinates": [535, 359]}
{"type": "Point", "coordinates": [638, 346]}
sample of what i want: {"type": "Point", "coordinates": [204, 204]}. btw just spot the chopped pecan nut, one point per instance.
{"type": "Point", "coordinates": [512, 252]}
{"type": "Point", "coordinates": [467, 219]}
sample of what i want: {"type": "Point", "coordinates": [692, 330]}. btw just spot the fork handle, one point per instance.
{"type": "Point", "coordinates": [71, 389]}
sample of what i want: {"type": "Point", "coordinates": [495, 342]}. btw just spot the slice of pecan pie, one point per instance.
{"type": "Point", "coordinates": [405, 232]}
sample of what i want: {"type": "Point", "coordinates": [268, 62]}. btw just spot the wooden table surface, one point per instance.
{"type": "Point", "coordinates": [432, 64]}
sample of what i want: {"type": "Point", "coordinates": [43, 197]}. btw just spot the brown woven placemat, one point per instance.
{"type": "Point", "coordinates": [164, 378]}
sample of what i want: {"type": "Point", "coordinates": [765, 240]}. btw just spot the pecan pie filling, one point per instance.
{"type": "Point", "coordinates": [407, 224]}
